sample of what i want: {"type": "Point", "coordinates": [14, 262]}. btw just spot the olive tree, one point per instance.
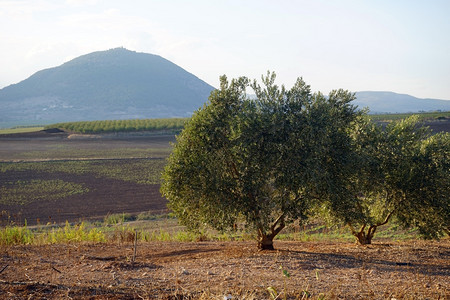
{"type": "Point", "coordinates": [403, 174]}
{"type": "Point", "coordinates": [263, 160]}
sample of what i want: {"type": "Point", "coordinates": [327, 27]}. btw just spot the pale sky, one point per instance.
{"type": "Point", "coordinates": [401, 46]}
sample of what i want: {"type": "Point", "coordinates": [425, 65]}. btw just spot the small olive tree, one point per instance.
{"type": "Point", "coordinates": [403, 174]}
{"type": "Point", "coordinates": [264, 160]}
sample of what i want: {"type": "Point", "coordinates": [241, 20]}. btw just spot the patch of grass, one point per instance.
{"type": "Point", "coordinates": [150, 216]}
{"type": "Point", "coordinates": [17, 235]}
{"type": "Point", "coordinates": [14, 235]}
{"type": "Point", "coordinates": [164, 227]}
{"type": "Point", "coordinates": [73, 234]}
{"type": "Point", "coordinates": [114, 219]}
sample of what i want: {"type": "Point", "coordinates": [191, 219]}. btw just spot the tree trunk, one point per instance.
{"type": "Point", "coordinates": [363, 239]}
{"type": "Point", "coordinates": [366, 238]}
{"type": "Point", "coordinates": [265, 242]}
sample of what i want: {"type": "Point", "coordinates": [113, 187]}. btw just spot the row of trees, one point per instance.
{"type": "Point", "coordinates": [291, 154]}
{"type": "Point", "coordinates": [121, 125]}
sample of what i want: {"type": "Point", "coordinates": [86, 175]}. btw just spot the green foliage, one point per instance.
{"type": "Point", "coordinates": [170, 124]}
{"type": "Point", "coordinates": [403, 173]}
{"type": "Point", "coordinates": [264, 160]}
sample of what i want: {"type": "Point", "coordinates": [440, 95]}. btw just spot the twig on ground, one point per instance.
{"type": "Point", "coordinates": [56, 269]}
{"type": "Point", "coordinates": [3, 269]}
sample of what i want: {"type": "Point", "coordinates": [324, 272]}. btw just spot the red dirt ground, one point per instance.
{"type": "Point", "coordinates": [227, 270]}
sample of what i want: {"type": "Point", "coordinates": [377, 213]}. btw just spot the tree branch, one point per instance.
{"type": "Point", "coordinates": [386, 219]}
{"type": "Point", "coordinates": [362, 227]}
{"type": "Point", "coordinates": [280, 218]}
{"type": "Point", "coordinates": [281, 225]}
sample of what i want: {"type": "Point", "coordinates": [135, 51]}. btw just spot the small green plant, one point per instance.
{"type": "Point", "coordinates": [305, 293]}
{"type": "Point", "coordinates": [273, 292]}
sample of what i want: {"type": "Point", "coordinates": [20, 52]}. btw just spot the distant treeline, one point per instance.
{"type": "Point", "coordinates": [172, 124]}
{"type": "Point", "coordinates": [424, 116]}
{"type": "Point", "coordinates": [176, 124]}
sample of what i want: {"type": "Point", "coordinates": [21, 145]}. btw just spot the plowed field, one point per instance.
{"type": "Point", "coordinates": [100, 166]}
{"type": "Point", "coordinates": [227, 270]}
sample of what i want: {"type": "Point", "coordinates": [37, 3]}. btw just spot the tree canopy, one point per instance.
{"type": "Point", "coordinates": [265, 160]}
{"type": "Point", "coordinates": [404, 174]}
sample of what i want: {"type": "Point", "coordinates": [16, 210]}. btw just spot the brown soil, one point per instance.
{"type": "Point", "coordinates": [106, 196]}
{"type": "Point", "coordinates": [221, 270]}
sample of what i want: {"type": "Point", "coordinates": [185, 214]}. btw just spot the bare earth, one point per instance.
{"type": "Point", "coordinates": [106, 196]}
{"type": "Point", "coordinates": [214, 270]}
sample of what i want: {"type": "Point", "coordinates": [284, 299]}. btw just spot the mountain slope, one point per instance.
{"type": "Point", "coordinates": [123, 84]}
{"type": "Point", "coordinates": [389, 102]}
{"type": "Point", "coordinates": [113, 84]}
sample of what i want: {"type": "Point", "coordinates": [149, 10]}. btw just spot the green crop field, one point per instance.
{"type": "Point", "coordinates": [172, 124]}
{"type": "Point", "coordinates": [424, 116]}
{"type": "Point", "coordinates": [21, 130]}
